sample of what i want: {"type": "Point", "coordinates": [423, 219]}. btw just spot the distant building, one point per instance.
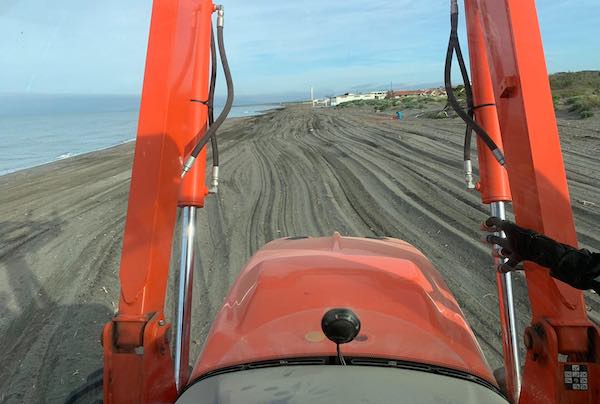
{"type": "Point", "coordinates": [404, 93]}
{"type": "Point", "coordinates": [348, 97]}
{"type": "Point", "coordinates": [379, 95]}
{"type": "Point", "coordinates": [325, 102]}
{"type": "Point", "coordinates": [374, 95]}
{"type": "Point", "coordinates": [436, 92]}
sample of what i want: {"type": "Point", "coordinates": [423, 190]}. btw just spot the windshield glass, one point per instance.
{"type": "Point", "coordinates": [336, 384]}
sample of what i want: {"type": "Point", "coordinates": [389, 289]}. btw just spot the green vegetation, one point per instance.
{"type": "Point", "coordinates": [583, 104]}
{"type": "Point", "coordinates": [408, 102]}
{"type": "Point", "coordinates": [577, 92]}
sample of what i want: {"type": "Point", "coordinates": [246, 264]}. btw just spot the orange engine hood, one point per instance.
{"type": "Point", "coordinates": [274, 309]}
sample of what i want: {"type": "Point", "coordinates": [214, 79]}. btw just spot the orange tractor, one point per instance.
{"type": "Point", "coordinates": [344, 319]}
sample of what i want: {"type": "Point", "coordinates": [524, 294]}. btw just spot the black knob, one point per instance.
{"type": "Point", "coordinates": [340, 325]}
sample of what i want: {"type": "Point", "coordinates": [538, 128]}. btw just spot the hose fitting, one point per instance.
{"type": "Point", "coordinates": [220, 15]}
{"type": "Point", "coordinates": [214, 182]}
{"type": "Point", "coordinates": [469, 174]}
{"type": "Point", "coordinates": [499, 156]}
{"type": "Point", "coordinates": [188, 164]}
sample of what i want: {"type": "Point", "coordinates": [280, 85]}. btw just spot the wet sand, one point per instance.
{"type": "Point", "coordinates": [298, 171]}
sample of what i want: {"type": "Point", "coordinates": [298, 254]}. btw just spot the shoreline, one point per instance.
{"type": "Point", "coordinates": [60, 158]}
{"type": "Point", "coordinates": [123, 143]}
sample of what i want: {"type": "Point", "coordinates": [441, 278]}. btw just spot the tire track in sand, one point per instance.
{"type": "Point", "coordinates": [299, 171]}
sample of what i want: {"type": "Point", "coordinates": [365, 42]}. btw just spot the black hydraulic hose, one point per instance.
{"type": "Point", "coordinates": [467, 143]}
{"type": "Point", "coordinates": [211, 98]}
{"type": "Point", "coordinates": [228, 104]}
{"type": "Point", "coordinates": [469, 95]}
{"type": "Point", "coordinates": [465, 116]}
{"type": "Point", "coordinates": [465, 75]}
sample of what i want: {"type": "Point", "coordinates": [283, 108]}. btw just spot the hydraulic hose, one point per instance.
{"type": "Point", "coordinates": [211, 98]}
{"type": "Point", "coordinates": [454, 46]}
{"type": "Point", "coordinates": [468, 165]}
{"type": "Point", "coordinates": [228, 104]}
{"type": "Point", "coordinates": [469, 95]}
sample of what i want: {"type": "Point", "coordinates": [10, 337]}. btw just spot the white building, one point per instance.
{"type": "Point", "coordinates": [379, 95]}
{"type": "Point", "coordinates": [325, 102]}
{"type": "Point", "coordinates": [374, 95]}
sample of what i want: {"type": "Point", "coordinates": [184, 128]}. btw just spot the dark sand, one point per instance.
{"type": "Point", "coordinates": [298, 171]}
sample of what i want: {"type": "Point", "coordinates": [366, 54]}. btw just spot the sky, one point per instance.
{"type": "Point", "coordinates": [277, 49]}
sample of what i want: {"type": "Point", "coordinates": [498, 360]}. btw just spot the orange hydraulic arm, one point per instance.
{"type": "Point", "coordinates": [137, 358]}
{"type": "Point", "coordinates": [494, 188]}
{"type": "Point", "coordinates": [560, 338]}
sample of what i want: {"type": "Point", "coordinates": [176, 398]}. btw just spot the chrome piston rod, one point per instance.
{"type": "Point", "coordinates": [184, 297]}
{"type": "Point", "coordinates": [507, 318]}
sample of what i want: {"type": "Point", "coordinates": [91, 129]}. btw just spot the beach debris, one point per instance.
{"type": "Point", "coordinates": [586, 203]}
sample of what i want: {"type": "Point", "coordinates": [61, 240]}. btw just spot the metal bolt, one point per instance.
{"type": "Point", "coordinates": [161, 323]}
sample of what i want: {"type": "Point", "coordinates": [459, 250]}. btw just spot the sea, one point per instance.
{"type": "Point", "coordinates": [40, 129]}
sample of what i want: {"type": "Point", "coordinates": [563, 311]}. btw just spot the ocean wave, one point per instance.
{"type": "Point", "coordinates": [23, 158]}
{"type": "Point", "coordinates": [65, 156]}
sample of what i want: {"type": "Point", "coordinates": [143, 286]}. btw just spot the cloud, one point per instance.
{"type": "Point", "coordinates": [274, 47]}
{"type": "Point", "coordinates": [335, 44]}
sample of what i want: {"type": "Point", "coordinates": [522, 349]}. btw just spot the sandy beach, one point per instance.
{"type": "Point", "coordinates": [297, 171]}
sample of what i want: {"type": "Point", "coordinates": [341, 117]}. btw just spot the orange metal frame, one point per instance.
{"type": "Point", "coordinates": [509, 31]}
{"type": "Point", "coordinates": [137, 357]}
